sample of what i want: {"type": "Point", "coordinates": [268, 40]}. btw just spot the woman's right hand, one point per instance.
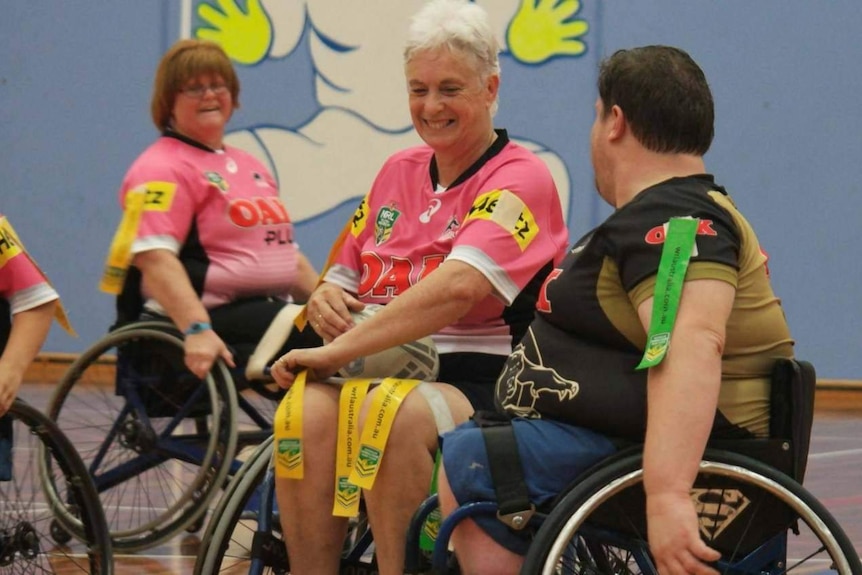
{"type": "Point", "coordinates": [201, 351]}
{"type": "Point", "coordinates": [319, 361]}
{"type": "Point", "coordinates": [328, 311]}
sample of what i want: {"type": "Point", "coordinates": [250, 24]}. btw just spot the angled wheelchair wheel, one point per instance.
{"type": "Point", "coordinates": [50, 517]}
{"type": "Point", "coordinates": [157, 441]}
{"type": "Point", "coordinates": [760, 520]}
{"type": "Point", "coordinates": [245, 535]}
{"type": "Point", "coordinates": [242, 538]}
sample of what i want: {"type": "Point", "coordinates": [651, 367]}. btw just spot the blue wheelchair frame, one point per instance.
{"type": "Point", "coordinates": [212, 404]}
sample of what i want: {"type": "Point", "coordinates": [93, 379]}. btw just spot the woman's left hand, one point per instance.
{"type": "Point", "coordinates": [328, 311]}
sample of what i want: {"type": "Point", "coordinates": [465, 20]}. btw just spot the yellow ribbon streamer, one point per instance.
{"type": "Point", "coordinates": [120, 252]}
{"type": "Point", "coordinates": [375, 432]}
{"type": "Point", "coordinates": [16, 247]}
{"type": "Point", "coordinates": [352, 396]}
{"type": "Point", "coordinates": [288, 431]}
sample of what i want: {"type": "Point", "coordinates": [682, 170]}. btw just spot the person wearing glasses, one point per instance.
{"type": "Point", "coordinates": [212, 245]}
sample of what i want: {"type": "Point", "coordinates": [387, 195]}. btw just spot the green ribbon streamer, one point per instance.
{"type": "Point", "coordinates": [675, 255]}
{"type": "Point", "coordinates": [432, 522]}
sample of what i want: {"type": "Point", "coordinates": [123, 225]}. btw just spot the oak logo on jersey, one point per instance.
{"type": "Point", "coordinates": [657, 235]}
{"type": "Point", "coordinates": [159, 196]}
{"type": "Point", "coordinates": [507, 210]}
{"type": "Point", "coordinates": [384, 279]}
{"type": "Point", "coordinates": [217, 180]}
{"type": "Point", "coordinates": [259, 211]}
{"type": "Point", "coordinates": [386, 218]}
{"type": "Point", "coordinates": [360, 218]}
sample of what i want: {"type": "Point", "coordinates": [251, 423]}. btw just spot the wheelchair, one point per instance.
{"type": "Point", "coordinates": [757, 517]}
{"type": "Point", "coordinates": [50, 517]}
{"type": "Point", "coordinates": [245, 535]}
{"type": "Point", "coordinates": [757, 514]}
{"type": "Point", "coordinates": [748, 494]}
{"type": "Point", "coordinates": [158, 442]}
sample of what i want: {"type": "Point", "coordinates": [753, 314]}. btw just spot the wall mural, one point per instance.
{"type": "Point", "coordinates": [356, 52]}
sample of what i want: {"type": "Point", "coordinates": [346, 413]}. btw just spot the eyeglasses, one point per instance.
{"type": "Point", "coordinates": [197, 91]}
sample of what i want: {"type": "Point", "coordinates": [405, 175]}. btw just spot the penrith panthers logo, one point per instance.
{"type": "Point", "coordinates": [523, 381]}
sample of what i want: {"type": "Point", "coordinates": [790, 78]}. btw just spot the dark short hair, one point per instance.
{"type": "Point", "coordinates": [664, 96]}
{"type": "Point", "coordinates": [185, 60]}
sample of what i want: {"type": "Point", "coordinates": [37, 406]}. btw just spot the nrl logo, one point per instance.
{"type": "Point", "coordinates": [217, 180]}
{"type": "Point", "coordinates": [385, 222]}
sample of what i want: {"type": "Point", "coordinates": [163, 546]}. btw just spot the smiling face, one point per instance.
{"type": "Point", "coordinates": [450, 102]}
{"type": "Point", "coordinates": [203, 114]}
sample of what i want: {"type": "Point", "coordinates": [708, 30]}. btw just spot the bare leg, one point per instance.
{"type": "Point", "coordinates": [477, 553]}
{"type": "Point", "coordinates": [314, 537]}
{"type": "Point", "coordinates": [405, 474]}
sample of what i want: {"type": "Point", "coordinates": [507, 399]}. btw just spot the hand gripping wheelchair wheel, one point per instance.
{"type": "Point", "coordinates": [157, 441]}
{"type": "Point", "coordinates": [759, 518]}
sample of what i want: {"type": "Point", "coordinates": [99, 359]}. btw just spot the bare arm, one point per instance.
{"type": "Point", "coordinates": [165, 279]}
{"type": "Point", "coordinates": [29, 330]}
{"type": "Point", "coordinates": [682, 398]}
{"type": "Point", "coordinates": [440, 299]}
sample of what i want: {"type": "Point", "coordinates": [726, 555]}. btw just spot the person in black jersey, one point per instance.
{"type": "Point", "coordinates": [572, 381]}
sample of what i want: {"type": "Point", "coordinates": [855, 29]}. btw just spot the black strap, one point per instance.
{"type": "Point", "coordinates": [507, 474]}
{"type": "Point", "coordinates": [6, 443]}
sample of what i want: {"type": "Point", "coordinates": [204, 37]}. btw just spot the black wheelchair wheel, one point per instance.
{"type": "Point", "coordinates": [761, 520]}
{"type": "Point", "coordinates": [51, 519]}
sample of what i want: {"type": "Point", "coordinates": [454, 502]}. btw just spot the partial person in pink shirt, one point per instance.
{"type": "Point", "coordinates": [27, 305]}
{"type": "Point", "coordinates": [454, 238]}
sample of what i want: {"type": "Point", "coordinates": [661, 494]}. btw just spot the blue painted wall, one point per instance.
{"type": "Point", "coordinates": [75, 81]}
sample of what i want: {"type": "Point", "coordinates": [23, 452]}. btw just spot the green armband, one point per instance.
{"type": "Point", "coordinates": [675, 255]}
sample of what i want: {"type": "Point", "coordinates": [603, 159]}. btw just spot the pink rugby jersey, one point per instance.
{"type": "Point", "coordinates": [219, 211]}
{"type": "Point", "coordinates": [21, 282]}
{"type": "Point", "coordinates": [503, 218]}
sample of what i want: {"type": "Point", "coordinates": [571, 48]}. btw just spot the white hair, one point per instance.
{"type": "Point", "coordinates": [458, 25]}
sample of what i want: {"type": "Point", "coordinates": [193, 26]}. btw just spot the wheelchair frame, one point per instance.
{"type": "Point", "coordinates": [246, 533]}
{"type": "Point", "coordinates": [141, 451]}
{"type": "Point", "coordinates": [50, 515]}
{"type": "Point", "coordinates": [573, 538]}
{"type": "Point", "coordinates": [576, 532]}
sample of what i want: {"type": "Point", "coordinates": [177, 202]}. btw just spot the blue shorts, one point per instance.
{"type": "Point", "coordinates": [552, 455]}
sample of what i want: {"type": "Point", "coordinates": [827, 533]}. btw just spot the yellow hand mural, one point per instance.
{"type": "Point", "coordinates": [544, 28]}
{"type": "Point", "coordinates": [245, 37]}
